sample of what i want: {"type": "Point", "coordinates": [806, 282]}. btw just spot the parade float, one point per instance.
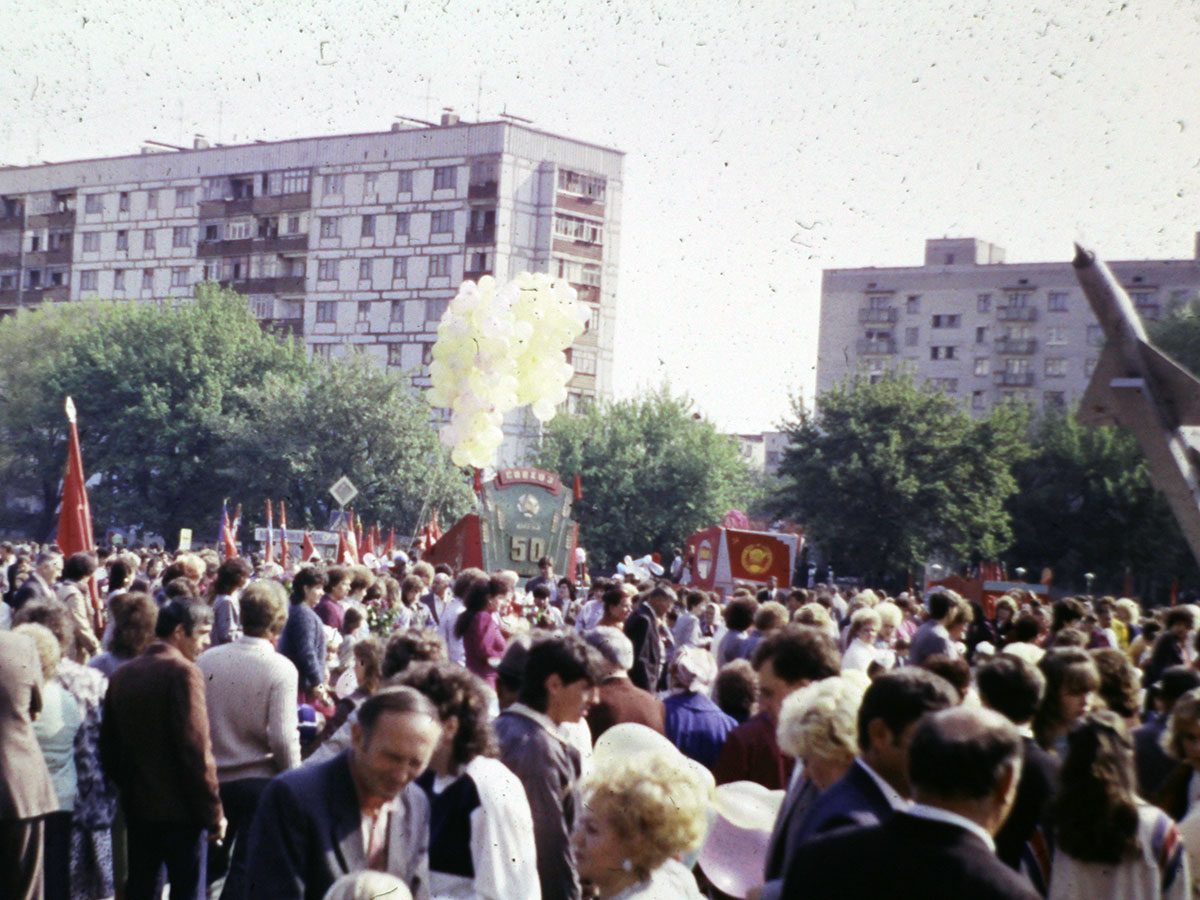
{"type": "Point", "coordinates": [718, 557]}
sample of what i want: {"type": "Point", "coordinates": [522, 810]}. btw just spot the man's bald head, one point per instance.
{"type": "Point", "coordinates": [962, 754]}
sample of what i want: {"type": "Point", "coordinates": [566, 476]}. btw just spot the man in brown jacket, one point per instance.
{"type": "Point", "coordinates": [620, 699]}
{"type": "Point", "coordinates": [154, 744]}
{"type": "Point", "coordinates": [26, 793]}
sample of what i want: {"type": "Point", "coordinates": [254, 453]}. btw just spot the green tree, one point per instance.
{"type": "Point", "coordinates": [887, 474]}
{"type": "Point", "coordinates": [349, 418]}
{"type": "Point", "coordinates": [1085, 503]}
{"type": "Point", "coordinates": [652, 473]}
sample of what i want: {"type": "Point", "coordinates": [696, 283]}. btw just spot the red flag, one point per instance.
{"type": "Point", "coordinates": [578, 488]}
{"type": "Point", "coordinates": [477, 481]}
{"type": "Point", "coordinates": [436, 529]}
{"type": "Point", "coordinates": [283, 544]}
{"type": "Point", "coordinates": [75, 514]}
{"type": "Point", "coordinates": [227, 535]}
{"type": "Point", "coordinates": [343, 551]}
{"type": "Point", "coordinates": [356, 530]}
{"type": "Point", "coordinates": [368, 543]}
{"type": "Point", "coordinates": [307, 550]}
{"type": "Point", "coordinates": [390, 548]}
{"type": "Point", "coordinates": [269, 554]}
{"type": "Point", "coordinates": [352, 548]}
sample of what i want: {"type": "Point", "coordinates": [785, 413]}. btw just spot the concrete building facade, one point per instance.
{"type": "Point", "coordinates": [981, 329]}
{"type": "Point", "coordinates": [348, 242]}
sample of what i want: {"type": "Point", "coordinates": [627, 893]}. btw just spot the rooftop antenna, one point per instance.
{"type": "Point", "coordinates": [415, 121]}
{"type": "Point", "coordinates": [161, 144]}
{"type": "Point", "coordinates": [505, 114]}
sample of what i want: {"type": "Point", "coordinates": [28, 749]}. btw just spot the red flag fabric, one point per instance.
{"type": "Point", "coordinates": [75, 514]}
{"type": "Point", "coordinates": [477, 481]}
{"type": "Point", "coordinates": [352, 548]}
{"type": "Point", "coordinates": [227, 536]}
{"type": "Point", "coordinates": [307, 550]}
{"type": "Point", "coordinates": [269, 553]}
{"type": "Point", "coordinates": [343, 550]}
{"type": "Point", "coordinates": [283, 544]}
{"type": "Point", "coordinates": [578, 488]}
{"type": "Point", "coordinates": [368, 543]}
{"type": "Point", "coordinates": [390, 548]}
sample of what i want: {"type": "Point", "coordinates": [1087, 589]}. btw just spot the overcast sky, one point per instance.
{"type": "Point", "coordinates": [765, 141]}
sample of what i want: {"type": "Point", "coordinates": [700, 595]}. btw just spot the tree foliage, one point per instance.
{"type": "Point", "coordinates": [166, 399]}
{"type": "Point", "coordinates": [652, 473]}
{"type": "Point", "coordinates": [1085, 503]}
{"type": "Point", "coordinates": [887, 475]}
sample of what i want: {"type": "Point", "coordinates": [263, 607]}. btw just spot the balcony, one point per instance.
{"type": "Point", "coordinates": [282, 284]}
{"type": "Point", "coordinates": [578, 248]}
{"type": "Point", "coordinates": [1017, 314]}
{"type": "Point", "coordinates": [287, 244]}
{"type": "Point", "coordinates": [482, 190]}
{"type": "Point", "coordinates": [580, 204]}
{"type": "Point", "coordinates": [1015, 346]}
{"type": "Point", "coordinates": [61, 219]}
{"type": "Point", "coordinates": [1014, 379]}
{"type": "Point", "coordinates": [11, 223]}
{"type": "Point", "coordinates": [60, 256]}
{"type": "Point", "coordinates": [875, 347]}
{"type": "Point", "coordinates": [587, 292]}
{"type": "Point", "coordinates": [291, 327]}
{"type": "Point", "coordinates": [215, 209]}
{"type": "Point", "coordinates": [481, 235]}
{"type": "Point", "coordinates": [877, 316]}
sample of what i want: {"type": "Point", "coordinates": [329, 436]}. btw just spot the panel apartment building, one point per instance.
{"type": "Point", "coordinates": [347, 241]}
{"type": "Point", "coordinates": [982, 330]}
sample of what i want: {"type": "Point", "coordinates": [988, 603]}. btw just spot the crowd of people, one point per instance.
{"type": "Point", "coordinates": [239, 731]}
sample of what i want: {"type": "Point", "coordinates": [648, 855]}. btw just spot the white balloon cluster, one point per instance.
{"type": "Point", "coordinates": [499, 348]}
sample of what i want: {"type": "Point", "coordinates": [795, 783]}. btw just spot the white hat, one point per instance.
{"type": "Point", "coordinates": [735, 853]}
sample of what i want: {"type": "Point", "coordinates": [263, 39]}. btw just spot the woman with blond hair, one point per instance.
{"type": "Point", "coordinates": [1177, 796]}
{"type": "Point", "coordinates": [638, 816]}
{"type": "Point", "coordinates": [860, 653]}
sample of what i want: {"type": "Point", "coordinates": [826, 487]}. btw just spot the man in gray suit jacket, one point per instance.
{"type": "Point", "coordinates": [26, 792]}
{"type": "Point", "coordinates": [360, 810]}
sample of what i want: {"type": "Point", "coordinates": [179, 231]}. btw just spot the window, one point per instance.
{"type": "Point", "coordinates": [331, 184]}
{"type": "Point", "coordinates": [364, 310]}
{"type": "Point", "coordinates": [323, 351]}
{"type": "Point", "coordinates": [118, 279]}
{"type": "Point", "coordinates": [983, 366]}
{"type": "Point", "coordinates": [981, 334]}
{"type": "Point", "coordinates": [295, 181]}
{"type": "Point", "coordinates": [151, 199]}
{"type": "Point", "coordinates": [445, 178]}
{"type": "Point", "coordinates": [1056, 367]}
{"type": "Point", "coordinates": [183, 197]}
{"type": "Point", "coordinates": [59, 240]}
{"type": "Point", "coordinates": [591, 186]}
{"type": "Point", "coordinates": [58, 277]}
{"type": "Point", "coordinates": [368, 226]}
{"type": "Point", "coordinates": [370, 184]}
{"type": "Point", "coordinates": [147, 241]}
{"type": "Point", "coordinates": [1057, 301]}
{"type": "Point", "coordinates": [1055, 335]}
{"type": "Point", "coordinates": [293, 224]}
{"type": "Point", "coordinates": [911, 336]}
{"type": "Point", "coordinates": [435, 309]}
{"type": "Point", "coordinates": [364, 270]}
{"type": "Point", "coordinates": [983, 303]}
{"type": "Point", "coordinates": [268, 227]}
{"type": "Point", "coordinates": [91, 241]}
{"type": "Point", "coordinates": [263, 307]}
{"type": "Point", "coordinates": [946, 385]}
{"type": "Point", "coordinates": [329, 226]}
{"type": "Point", "coordinates": [1018, 299]}
{"type": "Point", "coordinates": [147, 279]}
{"type": "Point", "coordinates": [402, 221]}
{"type": "Point", "coordinates": [584, 362]}
{"type": "Point", "coordinates": [947, 321]}
{"type": "Point", "coordinates": [181, 237]}
{"type": "Point", "coordinates": [593, 323]}
{"type": "Point", "coordinates": [122, 240]}
{"type": "Point", "coordinates": [237, 231]}
{"type": "Point", "coordinates": [394, 354]}
{"type": "Point", "coordinates": [93, 203]}
{"type": "Point", "coordinates": [400, 267]}
{"type": "Point", "coordinates": [87, 280]}
{"type": "Point", "coordinates": [35, 243]}
{"type": "Point", "coordinates": [439, 265]}
{"type": "Point", "coordinates": [327, 270]}
{"type": "Point", "coordinates": [574, 228]}
{"type": "Point", "coordinates": [1095, 336]}
{"type": "Point", "coordinates": [33, 278]}
{"type": "Point", "coordinates": [396, 313]}
{"type": "Point", "coordinates": [479, 261]}
{"type": "Point", "coordinates": [209, 272]}
{"type": "Point", "coordinates": [1016, 366]}
{"type": "Point", "coordinates": [123, 201]}
{"type": "Point", "coordinates": [405, 181]}
{"type": "Point", "coordinates": [942, 352]}
{"type": "Point", "coordinates": [212, 232]}
{"type": "Point", "coordinates": [442, 221]}
{"type": "Point", "coordinates": [1054, 400]}
{"type": "Point", "coordinates": [8, 281]}
{"type": "Point", "coordinates": [912, 304]}
{"type": "Point", "coordinates": [977, 400]}
{"type": "Point", "coordinates": [179, 277]}
{"type": "Point", "coordinates": [293, 267]}
{"type": "Point", "coordinates": [326, 311]}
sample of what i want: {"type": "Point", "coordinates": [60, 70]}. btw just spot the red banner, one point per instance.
{"type": "Point", "coordinates": [754, 556]}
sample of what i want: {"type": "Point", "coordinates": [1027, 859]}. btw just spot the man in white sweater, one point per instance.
{"type": "Point", "coordinates": [252, 718]}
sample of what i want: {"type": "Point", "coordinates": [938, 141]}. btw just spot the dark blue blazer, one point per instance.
{"type": "Point", "coordinates": [855, 800]}
{"type": "Point", "coordinates": [697, 726]}
{"type": "Point", "coordinates": [306, 834]}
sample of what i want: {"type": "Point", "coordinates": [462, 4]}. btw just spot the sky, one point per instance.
{"type": "Point", "coordinates": [765, 141]}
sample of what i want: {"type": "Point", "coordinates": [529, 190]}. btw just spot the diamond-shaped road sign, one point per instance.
{"type": "Point", "coordinates": [343, 491]}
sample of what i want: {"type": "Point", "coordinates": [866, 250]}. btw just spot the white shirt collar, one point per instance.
{"type": "Point", "coordinates": [937, 814]}
{"type": "Point", "coordinates": [890, 793]}
{"type": "Point", "coordinates": [541, 718]}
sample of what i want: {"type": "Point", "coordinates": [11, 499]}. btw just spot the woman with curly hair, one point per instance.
{"type": "Point", "coordinates": [1177, 795]}
{"type": "Point", "coordinates": [639, 814]}
{"type": "Point", "coordinates": [1107, 843]}
{"type": "Point", "coordinates": [476, 803]}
